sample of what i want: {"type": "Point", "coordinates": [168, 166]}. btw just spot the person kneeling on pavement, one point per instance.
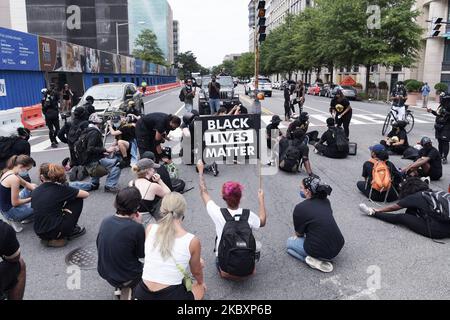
{"type": "Point", "coordinates": [294, 152]}
{"type": "Point", "coordinates": [318, 238]}
{"type": "Point", "coordinates": [125, 134]}
{"type": "Point", "coordinates": [236, 249]}
{"type": "Point", "coordinates": [303, 123]}
{"type": "Point", "coordinates": [427, 211]}
{"type": "Point", "coordinates": [429, 163]}
{"type": "Point", "coordinates": [120, 242]}
{"type": "Point", "coordinates": [93, 155]}
{"type": "Point", "coordinates": [333, 143]}
{"type": "Point", "coordinates": [57, 207]}
{"type": "Point", "coordinates": [396, 141]}
{"type": "Point", "coordinates": [382, 179]}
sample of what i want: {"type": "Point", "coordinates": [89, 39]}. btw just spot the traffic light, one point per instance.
{"type": "Point", "coordinates": [261, 25]}
{"type": "Point", "coordinates": [436, 25]}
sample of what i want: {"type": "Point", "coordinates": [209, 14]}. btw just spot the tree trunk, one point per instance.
{"type": "Point", "coordinates": [368, 66]}
{"type": "Point", "coordinates": [331, 69]}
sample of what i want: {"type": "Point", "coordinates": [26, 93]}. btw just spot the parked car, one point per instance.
{"type": "Point", "coordinates": [112, 97]}
{"type": "Point", "coordinates": [264, 85]}
{"type": "Point", "coordinates": [326, 90]}
{"type": "Point", "coordinates": [276, 85]}
{"type": "Point", "coordinates": [349, 92]}
{"type": "Point", "coordinates": [315, 89]}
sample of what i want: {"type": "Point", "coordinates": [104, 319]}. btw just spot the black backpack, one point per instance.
{"type": "Point", "coordinates": [182, 95]}
{"type": "Point", "coordinates": [341, 139]}
{"type": "Point", "coordinates": [74, 133]}
{"type": "Point", "coordinates": [438, 205]}
{"type": "Point", "coordinates": [80, 147]}
{"type": "Point", "coordinates": [237, 247]}
{"type": "Point", "coordinates": [290, 161]}
{"type": "Point", "coordinates": [6, 145]}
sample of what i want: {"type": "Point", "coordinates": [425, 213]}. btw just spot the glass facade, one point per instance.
{"type": "Point", "coordinates": [157, 16]}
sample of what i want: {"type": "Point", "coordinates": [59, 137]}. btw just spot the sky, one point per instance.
{"type": "Point", "coordinates": [212, 29]}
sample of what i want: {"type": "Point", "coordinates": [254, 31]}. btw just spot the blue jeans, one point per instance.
{"type": "Point", "coordinates": [188, 107]}
{"type": "Point", "coordinates": [85, 186]}
{"type": "Point", "coordinates": [22, 212]}
{"type": "Point", "coordinates": [214, 105]}
{"type": "Point", "coordinates": [114, 173]}
{"type": "Point", "coordinates": [295, 248]}
{"type": "Point", "coordinates": [134, 152]}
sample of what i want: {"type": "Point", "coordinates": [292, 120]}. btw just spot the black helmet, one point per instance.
{"type": "Point", "coordinates": [304, 116]}
{"type": "Point", "coordinates": [79, 113]}
{"type": "Point", "coordinates": [276, 119]}
{"type": "Point", "coordinates": [90, 98]}
{"type": "Point", "coordinates": [425, 141]}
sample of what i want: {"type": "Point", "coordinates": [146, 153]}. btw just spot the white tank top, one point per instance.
{"type": "Point", "coordinates": [166, 272]}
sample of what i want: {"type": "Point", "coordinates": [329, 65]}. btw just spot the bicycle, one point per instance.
{"type": "Point", "coordinates": [392, 117]}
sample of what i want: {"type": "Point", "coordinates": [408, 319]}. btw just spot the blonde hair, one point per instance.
{"type": "Point", "coordinates": [140, 173]}
{"type": "Point", "coordinates": [173, 207]}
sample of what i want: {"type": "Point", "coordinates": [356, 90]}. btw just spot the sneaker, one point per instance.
{"type": "Point", "coordinates": [54, 145]}
{"type": "Point", "coordinates": [426, 179]}
{"type": "Point", "coordinates": [125, 163]}
{"type": "Point", "coordinates": [316, 151]}
{"type": "Point", "coordinates": [366, 210]}
{"type": "Point", "coordinates": [76, 233]}
{"type": "Point", "coordinates": [17, 226]}
{"type": "Point", "coordinates": [215, 169]}
{"type": "Point", "coordinates": [95, 187]}
{"type": "Point", "coordinates": [444, 160]}
{"type": "Point", "coordinates": [27, 221]}
{"type": "Point", "coordinates": [323, 266]}
{"type": "Point", "coordinates": [112, 190]}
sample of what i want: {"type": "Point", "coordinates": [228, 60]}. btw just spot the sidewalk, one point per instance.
{"type": "Point", "coordinates": [431, 103]}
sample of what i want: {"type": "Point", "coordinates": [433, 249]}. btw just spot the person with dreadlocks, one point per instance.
{"type": "Point", "coordinates": [317, 238]}
{"type": "Point", "coordinates": [418, 217]}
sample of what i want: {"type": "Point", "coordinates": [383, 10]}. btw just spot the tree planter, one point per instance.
{"type": "Point", "coordinates": [412, 98]}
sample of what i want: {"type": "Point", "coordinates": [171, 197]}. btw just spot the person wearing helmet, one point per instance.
{"type": "Point", "coordinates": [125, 135]}
{"type": "Point", "coordinates": [341, 111]}
{"type": "Point", "coordinates": [429, 163]}
{"type": "Point", "coordinates": [442, 126]}
{"type": "Point", "coordinates": [396, 141]}
{"type": "Point", "coordinates": [399, 96]}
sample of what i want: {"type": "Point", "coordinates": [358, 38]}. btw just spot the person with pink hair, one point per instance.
{"type": "Point", "coordinates": [235, 245]}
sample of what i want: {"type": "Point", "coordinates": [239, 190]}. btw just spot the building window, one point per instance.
{"type": "Point", "coordinates": [447, 51]}
{"type": "Point", "coordinates": [397, 69]}
{"type": "Point", "coordinates": [132, 79]}
{"type": "Point", "coordinates": [374, 68]}
{"type": "Point", "coordinates": [124, 79]}
{"type": "Point", "coordinates": [356, 69]}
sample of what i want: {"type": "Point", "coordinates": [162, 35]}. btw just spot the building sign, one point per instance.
{"type": "Point", "coordinates": [18, 50]}
{"type": "Point", "coordinates": [2, 88]}
{"type": "Point", "coordinates": [227, 139]}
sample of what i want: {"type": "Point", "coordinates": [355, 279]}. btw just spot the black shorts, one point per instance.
{"type": "Point", "coordinates": [9, 272]}
{"type": "Point", "coordinates": [179, 292]}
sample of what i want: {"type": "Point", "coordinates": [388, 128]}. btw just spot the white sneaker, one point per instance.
{"type": "Point", "coordinates": [17, 226]}
{"type": "Point", "coordinates": [426, 179]}
{"type": "Point", "coordinates": [366, 210]}
{"type": "Point", "coordinates": [323, 266]}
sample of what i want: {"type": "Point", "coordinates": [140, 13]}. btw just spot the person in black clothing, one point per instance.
{"type": "Point", "coordinates": [214, 95]}
{"type": "Point", "coordinates": [415, 218]}
{"type": "Point", "coordinates": [379, 153]}
{"type": "Point", "coordinates": [89, 106]}
{"type": "Point", "coordinates": [272, 128]}
{"type": "Point", "coordinates": [57, 207]}
{"type": "Point", "coordinates": [152, 130]}
{"type": "Point", "coordinates": [303, 123]}
{"type": "Point", "coordinates": [429, 163]}
{"type": "Point", "coordinates": [50, 110]}
{"type": "Point", "coordinates": [442, 126]}
{"type": "Point", "coordinates": [327, 145]}
{"type": "Point", "coordinates": [299, 97]}
{"type": "Point", "coordinates": [294, 147]}
{"type": "Point", "coordinates": [161, 170]}
{"type": "Point", "coordinates": [17, 145]}
{"type": "Point", "coordinates": [12, 266]}
{"type": "Point", "coordinates": [341, 110]}
{"type": "Point", "coordinates": [70, 132]}
{"type": "Point", "coordinates": [125, 134]}
{"type": "Point", "coordinates": [120, 242]}
{"type": "Point", "coordinates": [397, 140]}
{"type": "Point", "coordinates": [67, 96]}
{"type": "Point", "coordinates": [317, 238]}
{"type": "Point", "coordinates": [287, 102]}
{"type": "Point", "coordinates": [132, 110]}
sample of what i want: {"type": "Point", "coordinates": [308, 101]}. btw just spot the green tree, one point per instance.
{"type": "Point", "coordinates": [187, 64]}
{"type": "Point", "coordinates": [245, 66]}
{"type": "Point", "coordinates": [147, 48]}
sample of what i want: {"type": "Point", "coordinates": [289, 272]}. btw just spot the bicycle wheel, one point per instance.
{"type": "Point", "coordinates": [386, 124]}
{"type": "Point", "coordinates": [410, 120]}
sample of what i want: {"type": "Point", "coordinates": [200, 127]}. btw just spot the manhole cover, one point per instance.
{"type": "Point", "coordinates": [85, 258]}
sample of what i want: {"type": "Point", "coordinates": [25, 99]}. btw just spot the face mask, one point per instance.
{"type": "Point", "coordinates": [302, 195]}
{"type": "Point", "coordinates": [23, 173]}
{"type": "Point", "coordinates": [116, 125]}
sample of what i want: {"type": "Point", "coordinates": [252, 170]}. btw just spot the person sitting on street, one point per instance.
{"type": "Point", "coordinates": [419, 216]}
{"type": "Point", "coordinates": [328, 143]}
{"type": "Point", "coordinates": [429, 163]}
{"type": "Point", "coordinates": [303, 123]}
{"type": "Point", "coordinates": [15, 205]}
{"type": "Point", "coordinates": [15, 145]}
{"type": "Point", "coordinates": [57, 207]}
{"type": "Point", "coordinates": [317, 238]}
{"type": "Point", "coordinates": [125, 135]}
{"type": "Point", "coordinates": [232, 194]}
{"type": "Point", "coordinates": [396, 141]}
{"type": "Point", "coordinates": [294, 152]}
{"type": "Point", "coordinates": [120, 242]}
{"type": "Point", "coordinates": [385, 185]}
{"type": "Point", "coordinates": [169, 252]}
{"type": "Point", "coordinates": [12, 267]}
{"type": "Point", "coordinates": [150, 185]}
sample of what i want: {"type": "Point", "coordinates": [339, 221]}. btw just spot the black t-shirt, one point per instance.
{"type": "Point", "coordinates": [120, 244]}
{"type": "Point", "coordinates": [314, 218]}
{"type": "Point", "coordinates": [47, 202]}
{"type": "Point", "coordinates": [329, 139]}
{"type": "Point", "coordinates": [335, 105]}
{"type": "Point", "coordinates": [285, 143]}
{"type": "Point", "coordinates": [214, 90]}
{"type": "Point", "coordinates": [401, 135]}
{"type": "Point", "coordinates": [269, 129]}
{"type": "Point", "coordinates": [8, 240]}
{"type": "Point", "coordinates": [435, 161]}
{"type": "Point", "coordinates": [157, 121]}
{"type": "Point", "coordinates": [165, 176]}
{"type": "Point", "coordinates": [395, 174]}
{"type": "Point", "coordinates": [415, 203]}
{"type": "Point", "coordinates": [128, 132]}
{"type": "Point", "coordinates": [21, 147]}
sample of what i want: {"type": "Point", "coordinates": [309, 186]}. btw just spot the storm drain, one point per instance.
{"type": "Point", "coordinates": [85, 258]}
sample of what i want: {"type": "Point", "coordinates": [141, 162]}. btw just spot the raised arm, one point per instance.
{"type": "Point", "coordinates": [262, 208]}
{"type": "Point", "coordinates": [203, 189]}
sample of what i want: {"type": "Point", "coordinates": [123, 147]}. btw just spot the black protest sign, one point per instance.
{"type": "Point", "coordinates": [227, 139]}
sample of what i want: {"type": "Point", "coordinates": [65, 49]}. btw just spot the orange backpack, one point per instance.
{"type": "Point", "coordinates": [381, 176]}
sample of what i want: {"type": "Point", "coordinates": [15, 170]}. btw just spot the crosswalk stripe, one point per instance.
{"type": "Point", "coordinates": [319, 117]}
{"type": "Point", "coordinates": [365, 117]}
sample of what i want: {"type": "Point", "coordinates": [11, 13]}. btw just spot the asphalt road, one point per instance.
{"type": "Point", "coordinates": [408, 265]}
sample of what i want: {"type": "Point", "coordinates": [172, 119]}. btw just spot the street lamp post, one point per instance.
{"type": "Point", "coordinates": [117, 32]}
